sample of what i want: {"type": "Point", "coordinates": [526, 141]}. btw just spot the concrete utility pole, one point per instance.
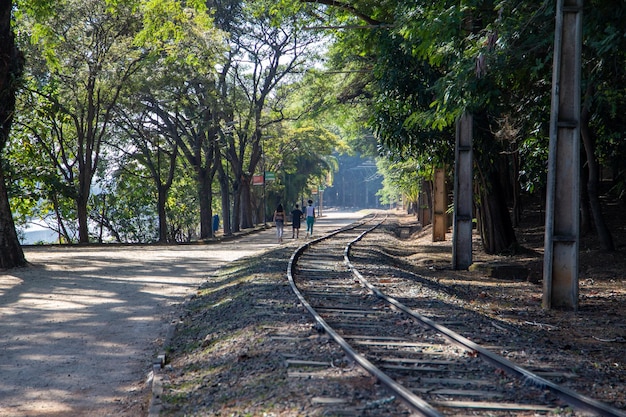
{"type": "Point", "coordinates": [440, 204]}
{"type": "Point", "coordinates": [562, 234]}
{"type": "Point", "coordinates": [463, 194]}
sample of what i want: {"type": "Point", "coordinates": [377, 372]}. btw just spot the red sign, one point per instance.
{"type": "Point", "coordinates": [257, 180]}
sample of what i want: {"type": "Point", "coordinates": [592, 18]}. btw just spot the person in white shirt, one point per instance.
{"type": "Point", "coordinates": [310, 218]}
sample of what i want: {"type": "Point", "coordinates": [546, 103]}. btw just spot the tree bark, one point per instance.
{"type": "Point", "coordinates": [494, 221]}
{"type": "Point", "coordinates": [517, 198]}
{"type": "Point", "coordinates": [11, 254]}
{"type": "Point", "coordinates": [82, 210]}
{"type": "Point", "coordinates": [594, 173]}
{"type": "Point", "coordinates": [585, 208]}
{"type": "Point", "coordinates": [164, 189]}
{"type": "Point", "coordinates": [237, 203]}
{"type": "Point", "coordinates": [11, 62]}
{"type": "Point", "coordinates": [225, 193]}
{"type": "Point", "coordinates": [204, 194]}
{"type": "Point", "coordinates": [162, 197]}
{"type": "Point", "coordinates": [246, 204]}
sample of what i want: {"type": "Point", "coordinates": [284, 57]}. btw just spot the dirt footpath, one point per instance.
{"type": "Point", "coordinates": [81, 327]}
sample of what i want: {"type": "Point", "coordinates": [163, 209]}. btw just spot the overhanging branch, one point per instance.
{"type": "Point", "coordinates": [348, 8]}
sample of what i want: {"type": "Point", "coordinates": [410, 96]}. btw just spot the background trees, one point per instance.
{"type": "Point", "coordinates": [180, 91]}
{"type": "Point", "coordinates": [267, 51]}
{"type": "Point", "coordinates": [424, 63]}
{"type": "Point", "coordinates": [141, 94]}
{"type": "Point", "coordinates": [174, 96]}
{"type": "Point", "coordinates": [87, 53]}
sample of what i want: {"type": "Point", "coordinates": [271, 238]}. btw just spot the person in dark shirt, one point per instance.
{"type": "Point", "coordinates": [296, 217]}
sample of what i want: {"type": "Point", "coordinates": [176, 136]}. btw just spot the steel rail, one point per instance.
{"type": "Point", "coordinates": [572, 398]}
{"type": "Point", "coordinates": [416, 403]}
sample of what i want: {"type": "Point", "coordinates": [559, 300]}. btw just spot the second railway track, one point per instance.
{"type": "Point", "coordinates": [431, 369]}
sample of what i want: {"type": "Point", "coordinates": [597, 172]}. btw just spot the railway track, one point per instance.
{"type": "Point", "coordinates": [424, 364]}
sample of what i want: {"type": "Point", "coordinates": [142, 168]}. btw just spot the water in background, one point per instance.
{"type": "Point", "coordinates": [36, 234]}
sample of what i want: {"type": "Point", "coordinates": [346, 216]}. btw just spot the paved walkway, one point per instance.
{"type": "Point", "coordinates": [80, 328]}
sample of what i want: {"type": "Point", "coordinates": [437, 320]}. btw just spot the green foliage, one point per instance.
{"type": "Point", "coordinates": [124, 208]}
{"type": "Point", "coordinates": [316, 98]}
{"type": "Point", "coordinates": [301, 157]}
{"type": "Point", "coordinates": [179, 32]}
{"type": "Point", "coordinates": [441, 58]}
{"type": "Point", "coordinates": [183, 210]}
{"type": "Point", "coordinates": [83, 57]}
{"type": "Point", "coordinates": [395, 78]}
{"type": "Point", "coordinates": [400, 178]}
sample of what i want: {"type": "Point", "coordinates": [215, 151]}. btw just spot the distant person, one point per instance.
{"type": "Point", "coordinates": [279, 220]}
{"type": "Point", "coordinates": [296, 217]}
{"type": "Point", "coordinates": [310, 218]}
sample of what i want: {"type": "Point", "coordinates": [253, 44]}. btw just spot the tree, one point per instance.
{"type": "Point", "coordinates": [402, 178]}
{"type": "Point", "coordinates": [169, 107]}
{"type": "Point", "coordinates": [88, 53]}
{"type": "Point", "coordinates": [42, 194]}
{"type": "Point", "coordinates": [301, 153]}
{"type": "Point", "coordinates": [125, 207]}
{"type": "Point", "coordinates": [266, 50]}
{"type": "Point", "coordinates": [126, 51]}
{"type": "Point", "coordinates": [601, 123]}
{"type": "Point", "coordinates": [11, 254]}
{"type": "Point", "coordinates": [429, 62]}
{"type": "Point", "coordinates": [152, 150]}
{"type": "Point", "coordinates": [181, 87]}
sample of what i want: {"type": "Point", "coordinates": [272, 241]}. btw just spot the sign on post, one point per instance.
{"type": "Point", "coordinates": [257, 180]}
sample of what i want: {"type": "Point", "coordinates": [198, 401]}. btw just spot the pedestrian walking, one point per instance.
{"type": "Point", "coordinates": [310, 218]}
{"type": "Point", "coordinates": [279, 220]}
{"type": "Point", "coordinates": [296, 217]}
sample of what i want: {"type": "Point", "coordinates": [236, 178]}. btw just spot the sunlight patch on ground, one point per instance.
{"type": "Point", "coordinates": [8, 282]}
{"type": "Point", "coordinates": [78, 302]}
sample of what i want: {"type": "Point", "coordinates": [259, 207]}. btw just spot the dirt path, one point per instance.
{"type": "Point", "coordinates": [79, 329]}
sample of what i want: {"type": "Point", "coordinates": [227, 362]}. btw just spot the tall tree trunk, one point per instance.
{"type": "Point", "coordinates": [494, 220]}
{"type": "Point", "coordinates": [594, 172]}
{"type": "Point", "coordinates": [246, 204]}
{"type": "Point", "coordinates": [204, 194]}
{"type": "Point", "coordinates": [11, 254]}
{"type": "Point", "coordinates": [161, 199]}
{"type": "Point", "coordinates": [87, 145]}
{"type": "Point", "coordinates": [83, 216]}
{"type": "Point", "coordinates": [163, 189]}
{"type": "Point", "coordinates": [11, 62]}
{"type": "Point", "coordinates": [585, 208]}
{"type": "Point", "coordinates": [237, 204]}
{"type": "Point", "coordinates": [225, 193]}
{"type": "Point", "coordinates": [517, 198]}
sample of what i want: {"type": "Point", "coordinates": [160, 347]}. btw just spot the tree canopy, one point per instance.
{"type": "Point", "coordinates": [139, 120]}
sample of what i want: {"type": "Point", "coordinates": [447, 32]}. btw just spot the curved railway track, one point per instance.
{"type": "Point", "coordinates": [431, 369]}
